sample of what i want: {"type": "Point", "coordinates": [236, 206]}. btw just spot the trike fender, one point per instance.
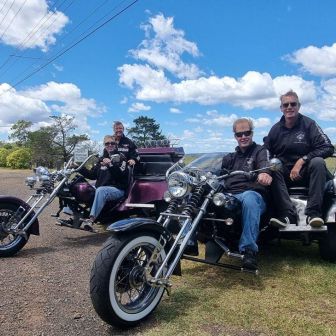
{"type": "Point", "coordinates": [144, 191]}
{"type": "Point", "coordinates": [34, 228]}
{"type": "Point", "coordinates": [137, 224]}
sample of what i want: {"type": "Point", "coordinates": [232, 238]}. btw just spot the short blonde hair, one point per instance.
{"type": "Point", "coordinates": [112, 138]}
{"type": "Point", "coordinates": [241, 120]}
{"type": "Point", "coordinates": [290, 93]}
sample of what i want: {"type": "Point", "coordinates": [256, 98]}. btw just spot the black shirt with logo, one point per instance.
{"type": "Point", "coordinates": [254, 157]}
{"type": "Point", "coordinates": [304, 138]}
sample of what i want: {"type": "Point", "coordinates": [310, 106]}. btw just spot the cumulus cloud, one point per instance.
{"type": "Point", "coordinates": [317, 61]}
{"type": "Point", "coordinates": [38, 103]}
{"type": "Point", "coordinates": [253, 90]}
{"type": "Point", "coordinates": [175, 110]}
{"type": "Point", "coordinates": [330, 130]}
{"type": "Point", "coordinates": [151, 78]}
{"type": "Point", "coordinates": [214, 118]}
{"type": "Point", "coordinates": [164, 49]}
{"type": "Point", "coordinates": [34, 26]}
{"type": "Point", "coordinates": [137, 107]}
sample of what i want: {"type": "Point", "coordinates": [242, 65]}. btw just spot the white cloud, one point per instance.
{"type": "Point", "coordinates": [38, 103]}
{"type": "Point", "coordinates": [262, 122]}
{"type": "Point", "coordinates": [253, 90]}
{"type": "Point", "coordinates": [175, 110]}
{"type": "Point", "coordinates": [187, 134]}
{"type": "Point", "coordinates": [165, 48]}
{"type": "Point", "coordinates": [136, 107]}
{"type": "Point", "coordinates": [317, 61]}
{"type": "Point", "coordinates": [330, 130]}
{"type": "Point", "coordinates": [35, 26]}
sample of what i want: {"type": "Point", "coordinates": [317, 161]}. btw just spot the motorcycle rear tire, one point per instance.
{"type": "Point", "coordinates": [116, 261]}
{"type": "Point", "coordinates": [9, 250]}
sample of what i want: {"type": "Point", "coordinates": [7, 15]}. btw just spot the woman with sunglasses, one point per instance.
{"type": "Point", "coordinates": [302, 146]}
{"type": "Point", "coordinates": [111, 180]}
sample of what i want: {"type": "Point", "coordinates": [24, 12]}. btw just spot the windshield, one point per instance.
{"type": "Point", "coordinates": [211, 162]}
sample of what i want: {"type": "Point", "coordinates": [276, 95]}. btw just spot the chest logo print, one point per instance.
{"type": "Point", "coordinates": [300, 136]}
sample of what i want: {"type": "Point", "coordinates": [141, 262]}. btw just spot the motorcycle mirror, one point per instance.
{"type": "Point", "coordinates": [275, 164]}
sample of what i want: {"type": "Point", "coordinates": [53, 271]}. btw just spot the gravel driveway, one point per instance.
{"type": "Point", "coordinates": [45, 287]}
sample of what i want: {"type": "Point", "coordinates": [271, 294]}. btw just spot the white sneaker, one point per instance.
{"type": "Point", "coordinates": [280, 222]}
{"type": "Point", "coordinates": [315, 222]}
{"type": "Point", "coordinates": [87, 225]}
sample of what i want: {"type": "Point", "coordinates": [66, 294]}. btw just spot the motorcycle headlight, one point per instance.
{"type": "Point", "coordinates": [219, 199]}
{"type": "Point", "coordinates": [179, 184]}
{"type": "Point", "coordinates": [39, 171]}
{"type": "Point", "coordinates": [30, 181]}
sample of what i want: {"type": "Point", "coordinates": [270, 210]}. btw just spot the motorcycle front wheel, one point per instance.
{"type": "Point", "coordinates": [10, 243]}
{"type": "Point", "coordinates": [119, 291]}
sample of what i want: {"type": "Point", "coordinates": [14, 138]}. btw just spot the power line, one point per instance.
{"type": "Point", "coordinates": [22, 44]}
{"type": "Point", "coordinates": [13, 18]}
{"type": "Point", "coordinates": [33, 32]}
{"type": "Point", "coordinates": [72, 46]}
{"type": "Point", "coordinates": [3, 5]}
{"type": "Point", "coordinates": [9, 8]}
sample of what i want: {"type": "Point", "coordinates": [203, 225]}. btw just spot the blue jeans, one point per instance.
{"type": "Point", "coordinates": [102, 195]}
{"type": "Point", "coordinates": [253, 206]}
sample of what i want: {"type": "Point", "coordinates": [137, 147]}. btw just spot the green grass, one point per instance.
{"type": "Point", "coordinates": [294, 294]}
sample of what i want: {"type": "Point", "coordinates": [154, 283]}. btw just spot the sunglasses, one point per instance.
{"type": "Point", "coordinates": [291, 104]}
{"type": "Point", "coordinates": [240, 134]}
{"type": "Point", "coordinates": [110, 143]}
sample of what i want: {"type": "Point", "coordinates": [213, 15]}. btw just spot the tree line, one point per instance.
{"type": "Point", "coordinates": [50, 144]}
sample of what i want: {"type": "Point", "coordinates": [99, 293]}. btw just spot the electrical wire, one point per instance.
{"type": "Point", "coordinates": [31, 34]}
{"type": "Point", "coordinates": [65, 50]}
{"type": "Point", "coordinates": [13, 18]}
{"type": "Point", "coordinates": [9, 8]}
{"type": "Point", "coordinates": [3, 6]}
{"type": "Point", "coordinates": [22, 45]}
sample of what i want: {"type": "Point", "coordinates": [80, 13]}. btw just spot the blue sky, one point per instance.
{"type": "Point", "coordinates": [193, 66]}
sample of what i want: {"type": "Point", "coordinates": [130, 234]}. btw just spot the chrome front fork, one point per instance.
{"type": "Point", "coordinates": [188, 228]}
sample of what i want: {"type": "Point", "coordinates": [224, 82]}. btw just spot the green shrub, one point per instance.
{"type": "Point", "coordinates": [3, 156]}
{"type": "Point", "coordinates": [19, 159]}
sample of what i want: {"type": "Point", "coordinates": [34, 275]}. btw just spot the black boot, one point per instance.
{"type": "Point", "coordinates": [250, 260]}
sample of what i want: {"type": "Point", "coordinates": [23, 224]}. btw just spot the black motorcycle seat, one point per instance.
{"type": "Point", "coordinates": [329, 189]}
{"type": "Point", "coordinates": [298, 191]}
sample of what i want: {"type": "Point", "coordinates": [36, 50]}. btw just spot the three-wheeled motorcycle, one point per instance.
{"type": "Point", "coordinates": [147, 184]}
{"type": "Point", "coordinates": [134, 267]}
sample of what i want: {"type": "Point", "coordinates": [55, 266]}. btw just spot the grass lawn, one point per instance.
{"type": "Point", "coordinates": [294, 294]}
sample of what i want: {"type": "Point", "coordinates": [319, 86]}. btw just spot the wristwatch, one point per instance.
{"type": "Point", "coordinates": [305, 158]}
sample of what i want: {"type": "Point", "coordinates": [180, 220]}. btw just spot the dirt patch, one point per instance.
{"type": "Point", "coordinates": [45, 287]}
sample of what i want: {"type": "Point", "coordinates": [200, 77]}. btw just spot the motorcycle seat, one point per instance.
{"type": "Point", "coordinates": [299, 190]}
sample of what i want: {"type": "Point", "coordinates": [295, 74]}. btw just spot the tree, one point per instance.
{"type": "Point", "coordinates": [20, 131]}
{"type": "Point", "coordinates": [64, 141]}
{"type": "Point", "coordinates": [40, 143]}
{"type": "Point", "coordinates": [145, 129]}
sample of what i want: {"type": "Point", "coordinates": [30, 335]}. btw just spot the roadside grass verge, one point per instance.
{"type": "Point", "coordinates": [294, 294]}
